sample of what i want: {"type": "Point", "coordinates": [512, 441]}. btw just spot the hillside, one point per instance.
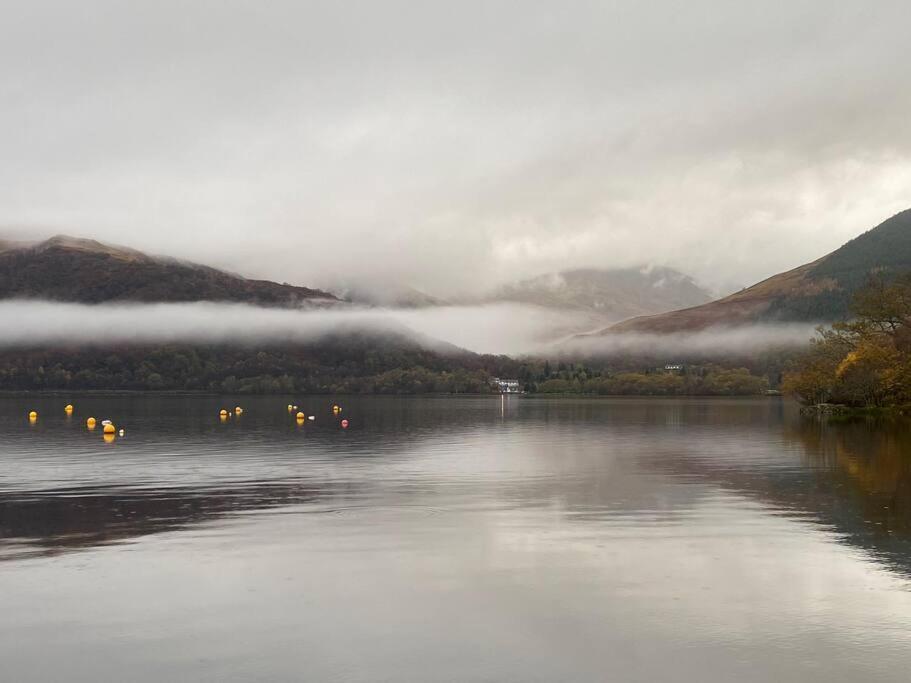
{"type": "Point", "coordinates": [374, 358]}
{"type": "Point", "coordinates": [348, 360]}
{"type": "Point", "coordinates": [611, 295]}
{"type": "Point", "coordinates": [820, 291]}
{"type": "Point", "coordinates": [386, 295]}
{"type": "Point", "coordinates": [85, 271]}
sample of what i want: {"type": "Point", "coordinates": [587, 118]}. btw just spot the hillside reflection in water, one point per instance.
{"type": "Point", "coordinates": [522, 539]}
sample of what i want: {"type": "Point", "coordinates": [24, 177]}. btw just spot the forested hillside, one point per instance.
{"type": "Point", "coordinates": [368, 363]}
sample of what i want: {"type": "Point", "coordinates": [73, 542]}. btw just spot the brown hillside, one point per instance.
{"type": "Point", "coordinates": [85, 271]}
{"type": "Point", "coordinates": [745, 306]}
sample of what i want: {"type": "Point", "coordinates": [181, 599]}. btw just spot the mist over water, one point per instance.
{"type": "Point", "coordinates": [512, 329]}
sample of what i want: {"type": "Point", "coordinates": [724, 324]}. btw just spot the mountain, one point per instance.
{"type": "Point", "coordinates": [608, 295]}
{"type": "Point", "coordinates": [387, 296]}
{"type": "Point", "coordinates": [85, 271]}
{"type": "Point", "coordinates": [379, 356]}
{"type": "Point", "coordinates": [820, 291]}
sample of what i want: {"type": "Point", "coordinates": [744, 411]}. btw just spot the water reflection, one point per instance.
{"type": "Point", "coordinates": [589, 457]}
{"type": "Point", "coordinates": [49, 522]}
{"type": "Point", "coordinates": [863, 483]}
{"type": "Point", "coordinates": [642, 540]}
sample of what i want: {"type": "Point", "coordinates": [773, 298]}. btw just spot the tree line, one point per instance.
{"type": "Point", "coordinates": [865, 361]}
{"type": "Point", "coordinates": [350, 364]}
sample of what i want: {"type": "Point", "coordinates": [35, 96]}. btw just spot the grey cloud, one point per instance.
{"type": "Point", "coordinates": [457, 145]}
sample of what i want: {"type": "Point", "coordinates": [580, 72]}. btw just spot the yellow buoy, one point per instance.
{"type": "Point", "coordinates": [238, 410]}
{"type": "Point", "coordinates": [69, 408]}
{"type": "Point", "coordinates": [290, 407]}
{"type": "Point", "coordinates": [90, 423]}
{"type": "Point", "coordinates": [109, 428]}
{"type": "Point", "coordinates": [301, 416]}
{"type": "Point", "coordinates": [223, 412]}
{"type": "Point", "coordinates": [33, 415]}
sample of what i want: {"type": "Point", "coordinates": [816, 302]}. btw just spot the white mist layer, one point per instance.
{"type": "Point", "coordinates": [483, 329]}
{"type": "Point", "coordinates": [42, 322]}
{"type": "Point", "coordinates": [731, 341]}
{"type": "Point", "coordinates": [501, 328]}
{"type": "Point", "coordinates": [511, 329]}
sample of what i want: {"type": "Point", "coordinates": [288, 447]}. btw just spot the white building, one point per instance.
{"type": "Point", "coordinates": [507, 386]}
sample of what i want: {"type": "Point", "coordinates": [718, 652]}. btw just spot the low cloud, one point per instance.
{"type": "Point", "coordinates": [48, 323]}
{"type": "Point", "coordinates": [738, 341]}
{"type": "Point", "coordinates": [512, 329]}
{"type": "Point", "coordinates": [502, 328]}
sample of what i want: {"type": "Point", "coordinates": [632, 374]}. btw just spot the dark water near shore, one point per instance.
{"type": "Point", "coordinates": [452, 539]}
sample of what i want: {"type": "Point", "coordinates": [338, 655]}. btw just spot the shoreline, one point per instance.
{"type": "Point", "coordinates": [201, 393]}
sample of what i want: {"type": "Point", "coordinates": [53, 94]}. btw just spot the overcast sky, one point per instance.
{"type": "Point", "coordinates": [456, 145]}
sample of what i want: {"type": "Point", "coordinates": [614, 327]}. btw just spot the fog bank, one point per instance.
{"type": "Point", "coordinates": [718, 341]}
{"type": "Point", "coordinates": [502, 328]}
{"type": "Point", "coordinates": [512, 329]}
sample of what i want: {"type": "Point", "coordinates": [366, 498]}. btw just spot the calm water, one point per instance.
{"type": "Point", "coordinates": [452, 540]}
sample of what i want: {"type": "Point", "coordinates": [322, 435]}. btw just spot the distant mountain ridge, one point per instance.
{"type": "Point", "coordinates": [610, 294]}
{"type": "Point", "coordinates": [387, 296]}
{"type": "Point", "coordinates": [817, 292]}
{"type": "Point", "coordinates": [72, 269]}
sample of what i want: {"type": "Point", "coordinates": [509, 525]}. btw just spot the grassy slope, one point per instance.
{"type": "Point", "coordinates": [816, 292]}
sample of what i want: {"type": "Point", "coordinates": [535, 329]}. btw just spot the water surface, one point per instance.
{"type": "Point", "coordinates": [449, 539]}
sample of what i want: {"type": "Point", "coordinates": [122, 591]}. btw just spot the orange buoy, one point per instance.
{"type": "Point", "coordinates": [90, 423]}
